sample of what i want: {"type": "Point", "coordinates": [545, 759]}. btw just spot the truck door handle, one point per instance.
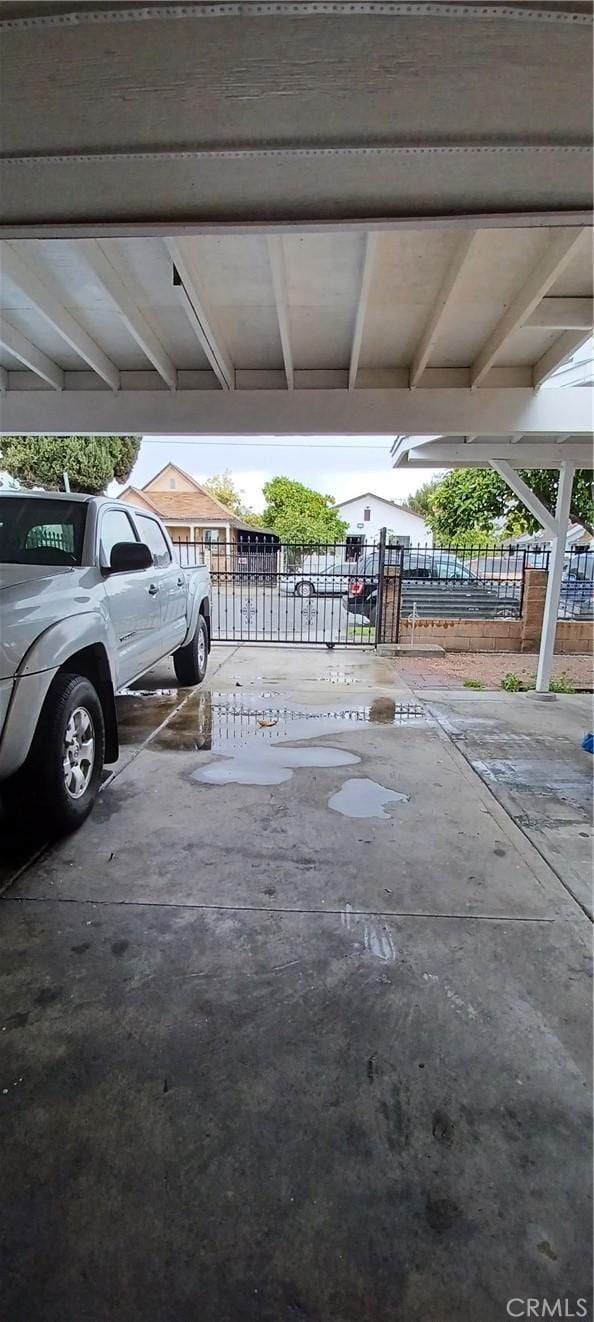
{"type": "Point", "coordinates": [180, 582]}
{"type": "Point", "coordinates": [153, 590]}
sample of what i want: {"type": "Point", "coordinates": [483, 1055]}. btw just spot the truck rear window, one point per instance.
{"type": "Point", "coordinates": [35, 531]}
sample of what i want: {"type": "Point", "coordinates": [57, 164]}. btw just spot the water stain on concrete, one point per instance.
{"type": "Point", "coordinates": [377, 937]}
{"type": "Point", "coordinates": [545, 1247]}
{"type": "Point", "coordinates": [270, 766]}
{"type": "Point", "coordinates": [378, 940]}
{"type": "Point", "coordinates": [361, 797]}
{"type": "Point", "coordinates": [48, 995]}
{"type": "Point", "coordinates": [441, 1213]}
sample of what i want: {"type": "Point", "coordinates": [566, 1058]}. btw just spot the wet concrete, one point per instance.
{"type": "Point", "coordinates": [264, 1061]}
{"type": "Point", "coordinates": [530, 756]}
{"type": "Point", "coordinates": [364, 798]}
{"type": "Point", "coordinates": [262, 765]}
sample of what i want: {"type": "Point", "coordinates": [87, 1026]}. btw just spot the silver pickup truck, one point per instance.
{"type": "Point", "coordinates": [91, 596]}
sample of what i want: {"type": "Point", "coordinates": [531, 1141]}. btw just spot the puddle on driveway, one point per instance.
{"type": "Point", "coordinates": [265, 765]}
{"type": "Point", "coordinates": [250, 732]}
{"type": "Point", "coordinates": [364, 798]}
{"type": "Point", "coordinates": [141, 711]}
{"type": "Point", "coordinates": [223, 722]}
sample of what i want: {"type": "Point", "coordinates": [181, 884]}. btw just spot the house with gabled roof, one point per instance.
{"type": "Point", "coordinates": [367, 514]}
{"type": "Point", "coordinates": [189, 512]}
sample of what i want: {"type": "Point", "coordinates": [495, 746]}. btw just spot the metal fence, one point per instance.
{"type": "Point", "coordinates": [577, 586]}
{"type": "Point", "coordinates": [284, 593]}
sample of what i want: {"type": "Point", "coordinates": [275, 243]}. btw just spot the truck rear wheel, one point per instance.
{"type": "Point", "coordinates": [190, 662]}
{"type": "Point", "coordinates": [62, 773]}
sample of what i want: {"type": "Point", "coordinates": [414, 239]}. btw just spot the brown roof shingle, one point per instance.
{"type": "Point", "coordinates": [197, 504]}
{"type": "Point", "coordinates": [189, 505]}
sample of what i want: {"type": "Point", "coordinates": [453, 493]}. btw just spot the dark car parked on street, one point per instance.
{"type": "Point", "coordinates": [438, 581]}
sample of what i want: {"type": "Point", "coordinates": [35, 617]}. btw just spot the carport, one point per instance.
{"type": "Point", "coordinates": [340, 246]}
{"type": "Point", "coordinates": [275, 276]}
{"type": "Point", "coordinates": [269, 1056]}
{"type": "Point", "coordinates": [505, 454]}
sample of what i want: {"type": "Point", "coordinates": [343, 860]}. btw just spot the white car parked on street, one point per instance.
{"type": "Point", "coordinates": [331, 581]}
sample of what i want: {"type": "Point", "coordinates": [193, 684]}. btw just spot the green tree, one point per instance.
{"type": "Point", "coordinates": [299, 515]}
{"type": "Point", "coordinates": [544, 483]}
{"type": "Point", "coordinates": [223, 488]}
{"type": "Point", "coordinates": [474, 506]}
{"type": "Point", "coordinates": [91, 462]}
{"type": "Point", "coordinates": [420, 501]}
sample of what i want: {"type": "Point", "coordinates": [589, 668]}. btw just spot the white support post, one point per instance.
{"type": "Point", "coordinates": [551, 610]}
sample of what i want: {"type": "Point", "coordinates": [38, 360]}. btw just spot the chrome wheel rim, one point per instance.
{"type": "Point", "coordinates": [79, 752]}
{"type": "Point", "coordinates": [201, 650]}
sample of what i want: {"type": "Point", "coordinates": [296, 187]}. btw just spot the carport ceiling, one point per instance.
{"type": "Point", "coordinates": [296, 331]}
{"type": "Point", "coordinates": [280, 217]}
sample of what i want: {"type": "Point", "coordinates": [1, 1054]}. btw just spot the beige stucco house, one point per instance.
{"type": "Point", "coordinates": [188, 511]}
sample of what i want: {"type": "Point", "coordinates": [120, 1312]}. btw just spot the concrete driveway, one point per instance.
{"type": "Point", "coordinates": [264, 1059]}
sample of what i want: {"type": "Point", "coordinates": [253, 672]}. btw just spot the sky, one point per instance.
{"type": "Point", "coordinates": [341, 466]}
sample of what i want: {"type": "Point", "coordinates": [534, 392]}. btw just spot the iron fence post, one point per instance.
{"type": "Point", "coordinates": [379, 601]}
{"type": "Point", "coordinates": [399, 598]}
{"type": "Point", "coordinates": [523, 584]}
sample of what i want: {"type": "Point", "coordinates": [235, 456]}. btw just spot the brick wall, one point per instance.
{"type": "Point", "coordinates": [575, 636]}
{"type": "Point", "coordinates": [535, 591]}
{"type": "Point", "coordinates": [467, 635]}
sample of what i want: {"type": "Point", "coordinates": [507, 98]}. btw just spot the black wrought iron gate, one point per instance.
{"type": "Point", "coordinates": [281, 593]}
{"type": "Point", "coordinates": [352, 594]}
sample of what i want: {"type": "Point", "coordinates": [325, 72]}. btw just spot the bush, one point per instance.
{"type": "Point", "coordinates": [474, 684]}
{"type": "Point", "coordinates": [562, 685]}
{"type": "Point", "coordinates": [513, 684]}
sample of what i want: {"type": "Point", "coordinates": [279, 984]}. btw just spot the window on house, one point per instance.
{"type": "Point", "coordinates": [367, 514]}
{"type": "Point", "coordinates": [172, 484]}
{"type": "Point", "coordinates": [212, 535]}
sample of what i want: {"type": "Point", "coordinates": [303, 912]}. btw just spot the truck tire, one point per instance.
{"type": "Point", "coordinates": [190, 662]}
{"type": "Point", "coordinates": [62, 774]}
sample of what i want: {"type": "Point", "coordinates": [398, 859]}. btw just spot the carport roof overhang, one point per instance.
{"type": "Point", "coordinates": [547, 450]}
{"type": "Point", "coordinates": [294, 217]}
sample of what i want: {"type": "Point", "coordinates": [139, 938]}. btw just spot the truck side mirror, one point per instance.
{"type": "Point", "coordinates": [126, 557]}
